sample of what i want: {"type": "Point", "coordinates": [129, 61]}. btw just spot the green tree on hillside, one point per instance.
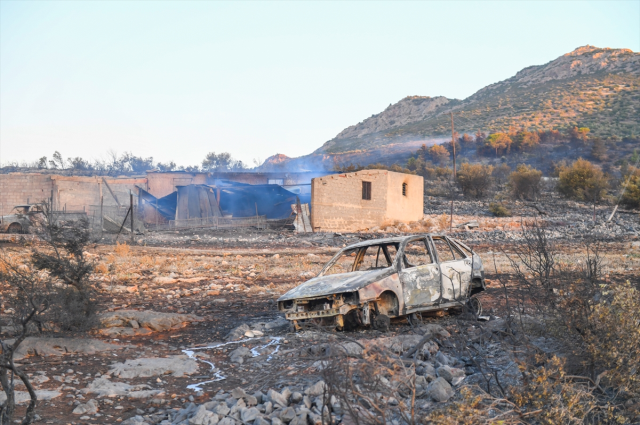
{"type": "Point", "coordinates": [499, 142]}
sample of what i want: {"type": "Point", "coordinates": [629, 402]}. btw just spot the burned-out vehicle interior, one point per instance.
{"type": "Point", "coordinates": [369, 283]}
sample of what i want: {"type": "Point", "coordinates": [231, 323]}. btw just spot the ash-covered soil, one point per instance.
{"type": "Point", "coordinates": [217, 328]}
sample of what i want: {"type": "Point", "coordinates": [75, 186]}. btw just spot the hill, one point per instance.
{"type": "Point", "coordinates": [590, 87]}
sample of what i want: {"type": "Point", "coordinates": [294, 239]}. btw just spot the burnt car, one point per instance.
{"type": "Point", "coordinates": [20, 219]}
{"type": "Point", "coordinates": [371, 282]}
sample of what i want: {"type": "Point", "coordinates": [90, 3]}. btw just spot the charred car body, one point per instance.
{"type": "Point", "coordinates": [369, 283]}
{"type": "Point", "coordinates": [20, 219]}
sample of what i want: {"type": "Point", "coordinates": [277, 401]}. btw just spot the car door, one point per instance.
{"type": "Point", "coordinates": [419, 274]}
{"type": "Point", "coordinates": [455, 269]}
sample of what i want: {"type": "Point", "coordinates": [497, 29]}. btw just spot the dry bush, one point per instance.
{"type": "Point", "coordinates": [376, 388]}
{"type": "Point", "coordinates": [475, 180]}
{"type": "Point", "coordinates": [122, 249]}
{"type": "Point", "coordinates": [443, 221]}
{"type": "Point", "coordinates": [525, 182]}
{"type": "Point", "coordinates": [547, 396]}
{"type": "Point", "coordinates": [499, 210]}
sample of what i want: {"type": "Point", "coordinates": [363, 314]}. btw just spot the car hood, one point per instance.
{"type": "Point", "coordinates": [336, 284]}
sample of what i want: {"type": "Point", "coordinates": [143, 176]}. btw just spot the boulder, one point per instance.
{"type": "Point", "coordinates": [88, 408]}
{"type": "Point", "coordinates": [177, 366]}
{"type": "Point", "coordinates": [62, 346]}
{"type": "Point", "coordinates": [451, 374]}
{"type": "Point", "coordinates": [316, 389]}
{"type": "Point", "coordinates": [439, 390]}
{"type": "Point", "coordinates": [103, 387]}
{"type": "Point", "coordinates": [22, 397]}
{"type": "Point", "coordinates": [237, 333]}
{"type": "Point", "coordinates": [238, 355]}
{"type": "Point", "coordinates": [153, 320]}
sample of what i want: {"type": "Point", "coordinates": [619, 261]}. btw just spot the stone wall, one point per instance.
{"type": "Point", "coordinates": [337, 203]}
{"type": "Point", "coordinates": [18, 188]}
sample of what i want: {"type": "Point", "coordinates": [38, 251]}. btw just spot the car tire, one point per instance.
{"type": "Point", "coordinates": [474, 306]}
{"type": "Point", "coordinates": [382, 322]}
{"type": "Point", "coordinates": [14, 228]}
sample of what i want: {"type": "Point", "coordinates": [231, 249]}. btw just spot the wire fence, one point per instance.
{"type": "Point", "coordinates": [258, 222]}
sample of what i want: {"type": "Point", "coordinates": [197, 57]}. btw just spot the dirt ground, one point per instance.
{"type": "Point", "coordinates": [224, 280]}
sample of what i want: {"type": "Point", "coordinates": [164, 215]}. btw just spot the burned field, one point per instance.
{"type": "Point", "coordinates": [188, 331]}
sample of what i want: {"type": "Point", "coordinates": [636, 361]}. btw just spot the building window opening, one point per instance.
{"type": "Point", "coordinates": [404, 189]}
{"type": "Point", "coordinates": [366, 191]}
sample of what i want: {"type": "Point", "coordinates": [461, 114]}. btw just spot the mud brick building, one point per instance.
{"type": "Point", "coordinates": [365, 199]}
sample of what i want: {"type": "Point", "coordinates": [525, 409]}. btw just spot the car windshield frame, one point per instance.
{"type": "Point", "coordinates": [360, 251]}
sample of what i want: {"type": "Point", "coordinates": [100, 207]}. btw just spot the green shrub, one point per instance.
{"type": "Point", "coordinates": [631, 196]}
{"type": "Point", "coordinates": [475, 180]}
{"type": "Point", "coordinates": [499, 210]}
{"type": "Point", "coordinates": [583, 181]}
{"type": "Point", "coordinates": [525, 182]}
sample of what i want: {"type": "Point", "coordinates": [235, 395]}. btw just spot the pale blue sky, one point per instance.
{"type": "Point", "coordinates": [175, 80]}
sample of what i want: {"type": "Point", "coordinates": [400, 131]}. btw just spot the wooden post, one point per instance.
{"type": "Point", "coordinates": [101, 216]}
{"type": "Point", "coordinates": [132, 214]}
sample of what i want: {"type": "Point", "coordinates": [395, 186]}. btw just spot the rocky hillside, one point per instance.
{"type": "Point", "coordinates": [593, 87]}
{"type": "Point", "coordinates": [408, 110]}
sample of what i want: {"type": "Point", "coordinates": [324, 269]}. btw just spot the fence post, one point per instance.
{"type": "Point", "coordinates": [131, 207]}
{"type": "Point", "coordinates": [101, 216]}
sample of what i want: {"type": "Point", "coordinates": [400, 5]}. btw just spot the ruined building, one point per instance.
{"type": "Point", "coordinates": [365, 199]}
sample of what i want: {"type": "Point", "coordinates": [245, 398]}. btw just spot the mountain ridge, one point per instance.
{"type": "Point", "coordinates": [581, 87]}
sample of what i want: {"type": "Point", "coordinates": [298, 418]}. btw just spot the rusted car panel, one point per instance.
{"type": "Point", "coordinates": [335, 284]}
{"type": "Point", "coordinates": [20, 219]}
{"type": "Point", "coordinates": [387, 278]}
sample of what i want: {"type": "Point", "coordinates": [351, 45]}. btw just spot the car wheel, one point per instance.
{"type": "Point", "coordinates": [382, 322]}
{"type": "Point", "coordinates": [475, 306]}
{"type": "Point", "coordinates": [14, 228]}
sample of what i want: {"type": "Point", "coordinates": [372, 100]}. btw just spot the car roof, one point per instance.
{"type": "Point", "coordinates": [397, 239]}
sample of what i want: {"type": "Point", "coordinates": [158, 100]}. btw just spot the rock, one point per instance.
{"type": "Point", "coordinates": [439, 390]}
{"type": "Point", "coordinates": [238, 393]}
{"type": "Point", "coordinates": [89, 408]}
{"type": "Point", "coordinates": [397, 344]}
{"type": "Point", "coordinates": [203, 417]}
{"type": "Point", "coordinates": [261, 421]}
{"type": "Point", "coordinates": [164, 280]}
{"type": "Point", "coordinates": [277, 398]}
{"type": "Point", "coordinates": [316, 389]}
{"type": "Point", "coordinates": [103, 387]}
{"type": "Point", "coordinates": [442, 358]}
{"type": "Point", "coordinates": [451, 374]}
{"type": "Point", "coordinates": [136, 420]}
{"type": "Point", "coordinates": [237, 333]}
{"type": "Point", "coordinates": [278, 323]}
{"type": "Point", "coordinates": [429, 372]}
{"type": "Point", "coordinates": [249, 414]}
{"type": "Point", "coordinates": [134, 324]}
{"type": "Point", "coordinates": [155, 321]}
{"type": "Point", "coordinates": [222, 409]}
{"type": "Point", "coordinates": [22, 397]}
{"type": "Point", "coordinates": [249, 334]}
{"type": "Point", "coordinates": [296, 397]}
{"type": "Point", "coordinates": [177, 366]}
{"type": "Point", "coordinates": [288, 415]}
{"type": "Point", "coordinates": [251, 400]}
{"type": "Point", "coordinates": [436, 330]}
{"type": "Point", "coordinates": [301, 419]}
{"type": "Point", "coordinates": [238, 355]}
{"type": "Point", "coordinates": [62, 346]}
